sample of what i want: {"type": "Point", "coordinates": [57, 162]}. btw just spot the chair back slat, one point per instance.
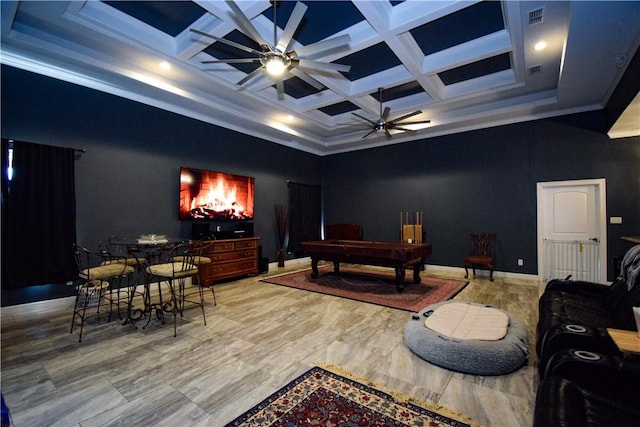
{"type": "Point", "coordinates": [482, 244]}
{"type": "Point", "coordinates": [99, 265]}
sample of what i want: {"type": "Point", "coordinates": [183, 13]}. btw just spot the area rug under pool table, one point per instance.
{"type": "Point", "coordinates": [376, 286]}
{"type": "Point", "coordinates": [320, 397]}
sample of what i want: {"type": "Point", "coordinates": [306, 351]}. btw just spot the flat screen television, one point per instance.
{"type": "Point", "coordinates": [215, 196]}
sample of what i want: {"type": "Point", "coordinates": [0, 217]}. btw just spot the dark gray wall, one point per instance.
{"type": "Point", "coordinates": [127, 182]}
{"type": "Point", "coordinates": [483, 180]}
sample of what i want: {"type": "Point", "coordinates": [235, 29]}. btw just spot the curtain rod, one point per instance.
{"type": "Point", "coordinates": [79, 150]}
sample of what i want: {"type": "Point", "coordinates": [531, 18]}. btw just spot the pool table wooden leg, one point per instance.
{"type": "Point", "coordinates": [416, 273]}
{"type": "Point", "coordinates": [314, 267]}
{"type": "Point", "coordinates": [400, 279]}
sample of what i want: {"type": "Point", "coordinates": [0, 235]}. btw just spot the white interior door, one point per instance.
{"type": "Point", "coordinates": [572, 230]}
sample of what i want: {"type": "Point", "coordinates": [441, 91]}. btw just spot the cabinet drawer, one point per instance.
{"type": "Point", "coordinates": [232, 268]}
{"type": "Point", "coordinates": [246, 245]}
{"type": "Point", "coordinates": [231, 256]}
{"type": "Point", "coordinates": [222, 247]}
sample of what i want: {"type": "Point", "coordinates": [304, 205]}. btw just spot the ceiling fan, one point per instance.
{"type": "Point", "coordinates": [384, 125]}
{"type": "Point", "coordinates": [276, 59]}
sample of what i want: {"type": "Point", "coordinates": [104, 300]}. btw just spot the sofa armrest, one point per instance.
{"type": "Point", "coordinates": [594, 369]}
{"type": "Point", "coordinates": [562, 403]}
{"type": "Point", "coordinates": [565, 336]}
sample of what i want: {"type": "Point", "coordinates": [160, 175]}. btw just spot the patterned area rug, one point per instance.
{"type": "Point", "coordinates": [323, 398]}
{"type": "Point", "coordinates": [376, 286]}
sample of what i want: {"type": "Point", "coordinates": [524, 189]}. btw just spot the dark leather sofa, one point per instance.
{"type": "Point", "coordinates": [584, 380]}
{"type": "Point", "coordinates": [576, 314]}
{"type": "Point", "coordinates": [582, 388]}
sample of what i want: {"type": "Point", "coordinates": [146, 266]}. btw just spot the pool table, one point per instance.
{"type": "Point", "coordinates": [399, 256]}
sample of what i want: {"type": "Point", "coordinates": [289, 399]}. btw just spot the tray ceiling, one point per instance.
{"type": "Point", "coordinates": [465, 65]}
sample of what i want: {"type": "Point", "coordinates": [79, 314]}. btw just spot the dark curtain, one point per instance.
{"type": "Point", "coordinates": [39, 215]}
{"type": "Point", "coordinates": [304, 215]}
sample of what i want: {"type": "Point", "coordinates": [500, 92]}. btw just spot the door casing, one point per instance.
{"type": "Point", "coordinates": [600, 200]}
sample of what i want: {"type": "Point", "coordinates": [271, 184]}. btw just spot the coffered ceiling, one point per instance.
{"type": "Point", "coordinates": [464, 65]}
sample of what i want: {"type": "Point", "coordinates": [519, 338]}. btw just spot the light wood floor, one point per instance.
{"type": "Point", "coordinates": [258, 338]}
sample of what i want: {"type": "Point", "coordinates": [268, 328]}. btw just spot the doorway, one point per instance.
{"type": "Point", "coordinates": [572, 233]}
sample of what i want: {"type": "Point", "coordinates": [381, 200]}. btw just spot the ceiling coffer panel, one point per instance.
{"type": "Point", "coordinates": [350, 69]}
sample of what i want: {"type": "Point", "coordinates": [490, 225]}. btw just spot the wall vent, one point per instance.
{"type": "Point", "coordinates": [535, 16]}
{"type": "Point", "coordinates": [535, 69]}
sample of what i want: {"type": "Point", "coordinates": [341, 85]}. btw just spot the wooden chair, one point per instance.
{"type": "Point", "coordinates": [481, 253]}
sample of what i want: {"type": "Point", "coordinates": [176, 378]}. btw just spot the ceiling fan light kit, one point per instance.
{"type": "Point", "coordinates": [275, 59]}
{"type": "Point", "coordinates": [275, 63]}
{"type": "Point", "coordinates": [383, 126]}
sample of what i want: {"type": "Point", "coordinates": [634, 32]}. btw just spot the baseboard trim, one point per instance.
{"type": "Point", "coordinates": [436, 269]}
{"type": "Point", "coordinates": [528, 279]}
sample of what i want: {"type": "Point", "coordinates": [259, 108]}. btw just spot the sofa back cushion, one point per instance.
{"type": "Point", "coordinates": [616, 294]}
{"type": "Point", "coordinates": [630, 267]}
{"type": "Point", "coordinates": [623, 311]}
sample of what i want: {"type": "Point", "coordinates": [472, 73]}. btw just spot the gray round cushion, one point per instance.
{"type": "Point", "coordinates": [470, 356]}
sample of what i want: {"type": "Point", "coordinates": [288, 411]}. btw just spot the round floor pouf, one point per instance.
{"type": "Point", "coordinates": [471, 356]}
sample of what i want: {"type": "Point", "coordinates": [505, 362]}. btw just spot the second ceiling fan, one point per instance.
{"type": "Point", "coordinates": [383, 124]}
{"type": "Point", "coordinates": [276, 59]}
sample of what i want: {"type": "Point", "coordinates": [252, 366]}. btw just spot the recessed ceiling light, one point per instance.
{"type": "Point", "coordinates": [165, 65]}
{"type": "Point", "coordinates": [541, 45]}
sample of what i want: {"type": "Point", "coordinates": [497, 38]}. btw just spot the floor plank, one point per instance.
{"type": "Point", "coordinates": [259, 337]}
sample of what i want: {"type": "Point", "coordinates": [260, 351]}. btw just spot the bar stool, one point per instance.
{"type": "Point", "coordinates": [120, 252]}
{"type": "Point", "coordinates": [96, 271]}
{"type": "Point", "coordinates": [175, 273]}
{"type": "Point", "coordinates": [196, 248]}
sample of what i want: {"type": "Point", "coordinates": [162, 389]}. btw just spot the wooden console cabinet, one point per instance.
{"type": "Point", "coordinates": [230, 258]}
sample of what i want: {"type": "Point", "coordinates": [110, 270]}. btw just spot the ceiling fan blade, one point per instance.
{"type": "Point", "coordinates": [291, 27]}
{"type": "Point", "coordinates": [322, 45]}
{"type": "Point", "coordinates": [373, 131]}
{"type": "Point", "coordinates": [317, 65]}
{"type": "Point", "coordinates": [404, 129]}
{"type": "Point", "coordinates": [248, 26]}
{"type": "Point", "coordinates": [406, 116]}
{"type": "Point", "coordinates": [386, 132]}
{"type": "Point", "coordinates": [228, 42]}
{"type": "Point", "coordinates": [355, 126]}
{"type": "Point", "coordinates": [385, 113]}
{"type": "Point", "coordinates": [306, 78]}
{"type": "Point", "coordinates": [364, 118]}
{"type": "Point", "coordinates": [414, 123]}
{"type": "Point", "coordinates": [232, 61]}
{"type": "Point", "coordinates": [280, 88]}
{"type": "Point", "coordinates": [250, 76]}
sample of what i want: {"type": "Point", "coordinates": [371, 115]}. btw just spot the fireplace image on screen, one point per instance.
{"type": "Point", "coordinates": [208, 195]}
